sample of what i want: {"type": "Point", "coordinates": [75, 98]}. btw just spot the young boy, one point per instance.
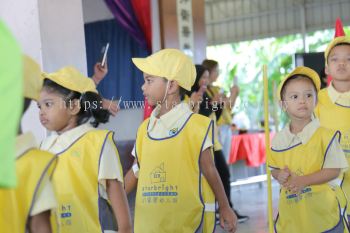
{"type": "Point", "coordinates": [333, 108]}
{"type": "Point", "coordinates": [177, 180]}
{"type": "Point", "coordinates": [305, 159]}
{"type": "Point", "coordinates": [27, 207]}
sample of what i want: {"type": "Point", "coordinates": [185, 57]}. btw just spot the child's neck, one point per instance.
{"type": "Point", "coordinates": [341, 86]}
{"type": "Point", "coordinates": [72, 123]}
{"type": "Point", "coordinates": [297, 125]}
{"type": "Point", "coordinates": [170, 102]}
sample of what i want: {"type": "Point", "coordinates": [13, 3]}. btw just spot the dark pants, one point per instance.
{"type": "Point", "coordinates": [221, 166]}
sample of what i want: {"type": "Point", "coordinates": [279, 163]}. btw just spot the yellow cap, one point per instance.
{"type": "Point", "coordinates": [335, 42]}
{"type": "Point", "coordinates": [32, 81]}
{"type": "Point", "coordinates": [70, 78]}
{"type": "Point", "coordinates": [171, 64]}
{"type": "Point", "coordinates": [301, 70]}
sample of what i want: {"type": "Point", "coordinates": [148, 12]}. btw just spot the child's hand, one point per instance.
{"type": "Point", "coordinates": [228, 219]}
{"type": "Point", "coordinates": [111, 106]}
{"type": "Point", "coordinates": [99, 72]}
{"type": "Point", "coordinates": [283, 175]}
{"type": "Point", "coordinates": [295, 184]}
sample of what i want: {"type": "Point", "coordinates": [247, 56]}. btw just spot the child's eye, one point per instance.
{"type": "Point", "coordinates": [48, 104]}
{"type": "Point", "coordinates": [309, 95]}
{"type": "Point", "coordinates": [293, 97]}
{"type": "Point", "coordinates": [39, 106]}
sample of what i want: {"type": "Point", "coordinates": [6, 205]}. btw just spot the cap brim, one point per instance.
{"type": "Point", "coordinates": [143, 65]}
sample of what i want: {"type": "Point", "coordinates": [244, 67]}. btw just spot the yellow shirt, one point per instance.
{"type": "Point", "coordinates": [46, 199]}
{"type": "Point", "coordinates": [286, 139]}
{"type": "Point", "coordinates": [338, 97]}
{"type": "Point", "coordinates": [109, 164]}
{"type": "Point", "coordinates": [170, 123]}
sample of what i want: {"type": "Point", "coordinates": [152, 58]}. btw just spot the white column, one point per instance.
{"type": "Point", "coordinates": [51, 32]}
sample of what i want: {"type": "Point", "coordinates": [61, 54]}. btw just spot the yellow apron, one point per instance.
{"type": "Point", "coordinates": [317, 208]}
{"type": "Point", "coordinates": [80, 207]}
{"type": "Point", "coordinates": [336, 117]}
{"type": "Point", "coordinates": [172, 194]}
{"type": "Point", "coordinates": [33, 170]}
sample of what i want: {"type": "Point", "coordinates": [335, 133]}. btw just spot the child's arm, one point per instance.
{"type": "Point", "coordinates": [119, 202]}
{"type": "Point", "coordinates": [40, 223]}
{"type": "Point", "coordinates": [281, 175]}
{"type": "Point", "coordinates": [297, 183]}
{"type": "Point", "coordinates": [130, 180]}
{"type": "Point", "coordinates": [228, 219]}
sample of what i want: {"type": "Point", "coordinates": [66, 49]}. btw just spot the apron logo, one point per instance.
{"type": "Point", "coordinates": [158, 175]}
{"type": "Point", "coordinates": [173, 131]}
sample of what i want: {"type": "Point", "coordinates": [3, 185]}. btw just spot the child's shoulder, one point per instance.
{"type": "Point", "coordinates": [278, 142]}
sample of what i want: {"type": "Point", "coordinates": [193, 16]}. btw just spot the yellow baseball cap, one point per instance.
{"type": "Point", "coordinates": [32, 81]}
{"type": "Point", "coordinates": [71, 78]}
{"type": "Point", "coordinates": [171, 64]}
{"type": "Point", "coordinates": [335, 42]}
{"type": "Point", "coordinates": [300, 70]}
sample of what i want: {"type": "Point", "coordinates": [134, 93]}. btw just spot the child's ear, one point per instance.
{"type": "Point", "coordinates": [326, 70]}
{"type": "Point", "coordinates": [283, 105]}
{"type": "Point", "coordinates": [74, 107]}
{"type": "Point", "coordinates": [173, 87]}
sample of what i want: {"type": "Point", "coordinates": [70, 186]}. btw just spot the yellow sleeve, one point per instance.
{"type": "Point", "coordinates": [335, 157]}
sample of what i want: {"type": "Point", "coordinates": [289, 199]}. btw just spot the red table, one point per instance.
{"type": "Point", "coordinates": [249, 147]}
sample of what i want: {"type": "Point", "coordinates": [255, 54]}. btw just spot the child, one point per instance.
{"type": "Point", "coordinates": [88, 177]}
{"type": "Point", "coordinates": [304, 158]}
{"type": "Point", "coordinates": [177, 179]}
{"type": "Point", "coordinates": [333, 108]}
{"type": "Point", "coordinates": [222, 119]}
{"type": "Point", "coordinates": [27, 207]}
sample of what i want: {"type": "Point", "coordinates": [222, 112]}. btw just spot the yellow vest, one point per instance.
{"type": "Point", "coordinates": [33, 169]}
{"type": "Point", "coordinates": [336, 117]}
{"type": "Point", "coordinates": [316, 209]}
{"type": "Point", "coordinates": [76, 185]}
{"type": "Point", "coordinates": [172, 194]}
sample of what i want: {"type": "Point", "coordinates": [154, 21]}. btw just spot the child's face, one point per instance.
{"type": "Point", "coordinates": [339, 63]}
{"type": "Point", "coordinates": [153, 89]}
{"type": "Point", "coordinates": [204, 80]}
{"type": "Point", "coordinates": [299, 99]}
{"type": "Point", "coordinates": [214, 74]}
{"type": "Point", "coordinates": [54, 114]}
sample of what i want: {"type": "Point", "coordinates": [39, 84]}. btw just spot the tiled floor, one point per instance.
{"type": "Point", "coordinates": [252, 201]}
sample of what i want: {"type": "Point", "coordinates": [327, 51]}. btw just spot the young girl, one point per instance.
{"type": "Point", "coordinates": [88, 177]}
{"type": "Point", "coordinates": [305, 158]}
{"type": "Point", "coordinates": [174, 172]}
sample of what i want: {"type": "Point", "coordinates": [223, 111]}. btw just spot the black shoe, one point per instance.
{"type": "Point", "coordinates": [241, 218]}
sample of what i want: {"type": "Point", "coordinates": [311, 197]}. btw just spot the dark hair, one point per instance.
{"type": "Point", "coordinates": [294, 77]}
{"type": "Point", "coordinates": [26, 104]}
{"type": "Point", "coordinates": [90, 103]}
{"type": "Point", "coordinates": [199, 72]}
{"type": "Point", "coordinates": [210, 64]}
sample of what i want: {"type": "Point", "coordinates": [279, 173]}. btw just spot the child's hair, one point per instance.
{"type": "Point", "coordinates": [90, 103]}
{"type": "Point", "coordinates": [210, 64]}
{"type": "Point", "coordinates": [294, 77]}
{"type": "Point", "coordinates": [26, 104]}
